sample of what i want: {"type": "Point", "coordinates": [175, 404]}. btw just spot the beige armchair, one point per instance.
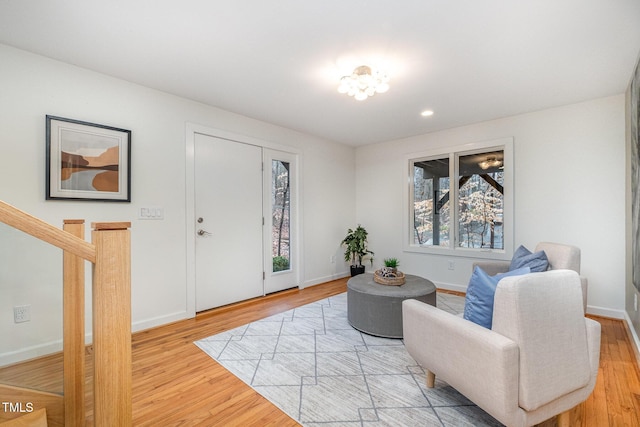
{"type": "Point", "coordinates": [540, 358]}
{"type": "Point", "coordinates": [560, 256]}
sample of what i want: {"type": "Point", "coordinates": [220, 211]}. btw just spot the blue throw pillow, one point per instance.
{"type": "Point", "coordinates": [478, 305]}
{"type": "Point", "coordinates": [523, 257]}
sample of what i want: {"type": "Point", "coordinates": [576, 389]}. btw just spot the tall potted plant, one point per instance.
{"type": "Point", "coordinates": [356, 249]}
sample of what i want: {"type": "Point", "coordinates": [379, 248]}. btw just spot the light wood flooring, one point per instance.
{"type": "Point", "coordinates": [177, 384]}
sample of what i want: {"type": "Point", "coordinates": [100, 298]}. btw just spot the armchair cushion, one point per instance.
{"type": "Point", "coordinates": [523, 257]}
{"type": "Point", "coordinates": [561, 257]}
{"type": "Point", "coordinates": [478, 307]}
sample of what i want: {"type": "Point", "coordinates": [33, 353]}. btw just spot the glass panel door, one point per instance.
{"type": "Point", "coordinates": [280, 216]}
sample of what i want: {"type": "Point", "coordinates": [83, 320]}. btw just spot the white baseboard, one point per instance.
{"type": "Point", "coordinates": [451, 287]}
{"type": "Point", "coordinates": [635, 340]}
{"type": "Point", "coordinates": [324, 279]}
{"type": "Point", "coordinates": [606, 312]}
{"type": "Point", "coordinates": [159, 321]}
{"type": "Point", "coordinates": [45, 349]}
{"type": "Point", "coordinates": [28, 353]}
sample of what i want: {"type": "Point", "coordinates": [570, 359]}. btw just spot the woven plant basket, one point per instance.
{"type": "Point", "coordinates": [389, 281]}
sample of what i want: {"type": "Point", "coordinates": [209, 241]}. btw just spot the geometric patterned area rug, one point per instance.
{"type": "Point", "coordinates": [322, 372]}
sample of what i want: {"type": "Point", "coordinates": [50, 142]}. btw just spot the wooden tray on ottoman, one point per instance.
{"type": "Point", "coordinates": [389, 281]}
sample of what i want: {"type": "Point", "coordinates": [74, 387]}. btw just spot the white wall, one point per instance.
{"type": "Point", "coordinates": [569, 187]}
{"type": "Point", "coordinates": [570, 181]}
{"type": "Point", "coordinates": [31, 87]}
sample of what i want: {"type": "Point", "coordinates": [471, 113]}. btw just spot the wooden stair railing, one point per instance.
{"type": "Point", "coordinates": [73, 330]}
{"type": "Point", "coordinates": [110, 254]}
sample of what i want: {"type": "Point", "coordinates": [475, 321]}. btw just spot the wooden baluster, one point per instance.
{"type": "Point", "coordinates": [73, 336]}
{"type": "Point", "coordinates": [112, 324]}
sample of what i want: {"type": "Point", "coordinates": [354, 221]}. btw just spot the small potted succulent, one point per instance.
{"type": "Point", "coordinates": [390, 266]}
{"type": "Point", "coordinates": [389, 274]}
{"type": "Point", "coordinates": [356, 244]}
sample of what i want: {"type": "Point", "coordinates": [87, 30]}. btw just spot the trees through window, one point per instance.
{"type": "Point", "coordinates": [281, 215]}
{"type": "Point", "coordinates": [466, 212]}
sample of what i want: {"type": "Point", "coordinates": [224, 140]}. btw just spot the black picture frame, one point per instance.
{"type": "Point", "coordinates": [87, 161]}
{"type": "Point", "coordinates": [634, 116]}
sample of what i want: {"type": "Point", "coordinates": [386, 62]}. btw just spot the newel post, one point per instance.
{"type": "Point", "coordinates": [112, 324]}
{"type": "Point", "coordinates": [73, 325]}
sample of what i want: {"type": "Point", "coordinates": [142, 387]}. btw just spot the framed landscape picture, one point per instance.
{"type": "Point", "coordinates": [634, 109]}
{"type": "Point", "coordinates": [87, 161]}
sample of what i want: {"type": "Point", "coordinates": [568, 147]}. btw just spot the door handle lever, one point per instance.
{"type": "Point", "coordinates": [203, 233]}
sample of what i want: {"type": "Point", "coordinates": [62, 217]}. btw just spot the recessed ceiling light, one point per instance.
{"type": "Point", "coordinates": [426, 113]}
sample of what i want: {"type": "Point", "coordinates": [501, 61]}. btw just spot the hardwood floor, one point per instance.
{"type": "Point", "coordinates": [177, 384]}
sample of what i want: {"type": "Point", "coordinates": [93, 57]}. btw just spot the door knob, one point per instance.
{"type": "Point", "coordinates": [203, 233]}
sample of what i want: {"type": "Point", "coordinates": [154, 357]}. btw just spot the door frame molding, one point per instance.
{"type": "Point", "coordinates": [191, 129]}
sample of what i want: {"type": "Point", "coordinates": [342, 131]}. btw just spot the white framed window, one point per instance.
{"type": "Point", "coordinates": [469, 215]}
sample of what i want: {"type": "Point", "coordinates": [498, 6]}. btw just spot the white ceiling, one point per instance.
{"type": "Point", "coordinates": [279, 61]}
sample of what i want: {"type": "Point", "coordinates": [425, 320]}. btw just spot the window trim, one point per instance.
{"type": "Point", "coordinates": [453, 153]}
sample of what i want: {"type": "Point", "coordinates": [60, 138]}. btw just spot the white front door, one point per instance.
{"type": "Point", "coordinates": [228, 227]}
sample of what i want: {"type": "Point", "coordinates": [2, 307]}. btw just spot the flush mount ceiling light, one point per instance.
{"type": "Point", "coordinates": [364, 82]}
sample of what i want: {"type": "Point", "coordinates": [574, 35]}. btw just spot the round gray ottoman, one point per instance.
{"type": "Point", "coordinates": [376, 309]}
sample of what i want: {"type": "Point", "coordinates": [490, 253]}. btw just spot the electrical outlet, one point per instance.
{"type": "Point", "coordinates": [21, 313]}
{"type": "Point", "coordinates": [332, 259]}
{"type": "Point", "coordinates": [451, 265]}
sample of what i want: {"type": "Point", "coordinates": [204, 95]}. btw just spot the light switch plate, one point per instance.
{"type": "Point", "coordinates": [151, 213]}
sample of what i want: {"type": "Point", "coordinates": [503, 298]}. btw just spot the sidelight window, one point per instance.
{"type": "Point", "coordinates": [281, 215]}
